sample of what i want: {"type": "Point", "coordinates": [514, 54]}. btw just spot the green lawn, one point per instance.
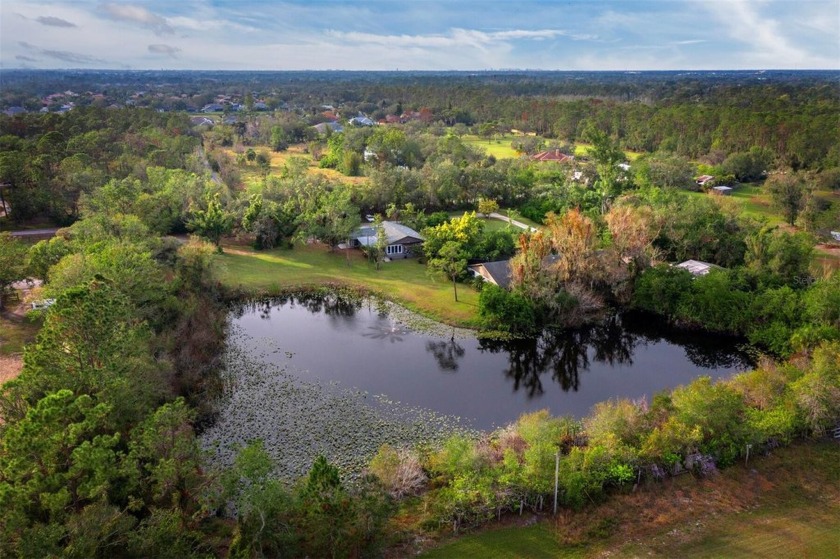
{"type": "Point", "coordinates": [497, 146]}
{"type": "Point", "coordinates": [15, 332]}
{"type": "Point", "coordinates": [581, 150]}
{"type": "Point", "coordinates": [755, 202]}
{"type": "Point", "coordinates": [534, 542]}
{"type": "Point", "coordinates": [403, 281]}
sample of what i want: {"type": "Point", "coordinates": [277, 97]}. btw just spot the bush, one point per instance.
{"type": "Point", "coordinates": [399, 471]}
{"type": "Point", "coordinates": [661, 289]}
{"type": "Point", "coordinates": [501, 309]}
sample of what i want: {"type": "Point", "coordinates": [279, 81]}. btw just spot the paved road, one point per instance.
{"type": "Point", "coordinates": [512, 222]}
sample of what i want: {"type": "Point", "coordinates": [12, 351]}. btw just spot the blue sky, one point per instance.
{"type": "Point", "coordinates": [421, 34]}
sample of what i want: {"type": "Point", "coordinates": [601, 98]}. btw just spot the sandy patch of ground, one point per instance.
{"type": "Point", "coordinates": [10, 367]}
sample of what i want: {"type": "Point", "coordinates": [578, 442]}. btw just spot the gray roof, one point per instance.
{"type": "Point", "coordinates": [322, 127]}
{"type": "Point", "coordinates": [498, 272]}
{"type": "Point", "coordinates": [696, 267]}
{"type": "Point", "coordinates": [361, 121]}
{"type": "Point", "coordinates": [395, 232]}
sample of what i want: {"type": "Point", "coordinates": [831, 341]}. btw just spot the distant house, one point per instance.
{"type": "Point", "coordinates": [500, 272]}
{"type": "Point", "coordinates": [334, 126]}
{"type": "Point", "coordinates": [835, 235]}
{"type": "Point", "coordinates": [403, 241]}
{"type": "Point", "coordinates": [554, 155]}
{"type": "Point", "coordinates": [696, 267]}
{"type": "Point", "coordinates": [497, 273]}
{"type": "Point", "coordinates": [212, 108]}
{"type": "Point", "coordinates": [201, 121]}
{"type": "Point", "coordinates": [721, 190]}
{"type": "Point", "coordinates": [260, 106]}
{"type": "Point", "coordinates": [12, 111]}
{"type": "Point", "coordinates": [361, 120]}
{"type": "Point", "coordinates": [703, 179]}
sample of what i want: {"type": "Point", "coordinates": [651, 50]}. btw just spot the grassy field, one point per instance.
{"type": "Point", "coordinates": [534, 542]}
{"type": "Point", "coordinates": [783, 505]}
{"type": "Point", "coordinates": [582, 150]}
{"type": "Point", "coordinates": [403, 281]}
{"type": "Point", "coordinates": [15, 332]}
{"type": "Point", "coordinates": [252, 176]}
{"type": "Point", "coordinates": [497, 146]}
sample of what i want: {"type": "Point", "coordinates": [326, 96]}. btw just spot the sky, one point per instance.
{"type": "Point", "coordinates": [421, 34]}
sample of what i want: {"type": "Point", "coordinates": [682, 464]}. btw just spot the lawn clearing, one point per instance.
{"type": "Point", "coordinates": [403, 281]}
{"type": "Point", "coordinates": [497, 146]}
{"type": "Point", "coordinates": [755, 202]}
{"type": "Point", "coordinates": [582, 150]}
{"type": "Point", "coordinates": [534, 542]}
{"type": "Point", "coordinates": [251, 175]}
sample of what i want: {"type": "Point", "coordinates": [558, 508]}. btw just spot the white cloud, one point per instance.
{"type": "Point", "coordinates": [690, 34]}
{"type": "Point", "coordinates": [54, 21]}
{"type": "Point", "coordinates": [455, 37]}
{"type": "Point", "coordinates": [138, 15]}
{"type": "Point", "coordinates": [764, 36]}
{"type": "Point", "coordinates": [167, 50]}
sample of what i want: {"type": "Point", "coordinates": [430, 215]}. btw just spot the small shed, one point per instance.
{"type": "Point", "coordinates": [722, 190]}
{"type": "Point", "coordinates": [703, 179]}
{"type": "Point", "coordinates": [696, 267]}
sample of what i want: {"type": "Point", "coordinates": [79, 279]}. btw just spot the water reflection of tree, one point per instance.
{"type": "Point", "coordinates": [446, 354]}
{"type": "Point", "coordinates": [386, 332]}
{"type": "Point", "coordinates": [565, 354]}
{"type": "Point", "coordinates": [704, 350]}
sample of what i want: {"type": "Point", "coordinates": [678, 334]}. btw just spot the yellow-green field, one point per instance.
{"type": "Point", "coordinates": [403, 281]}
{"type": "Point", "coordinates": [252, 175]}
{"type": "Point", "coordinates": [582, 150]}
{"type": "Point", "coordinates": [497, 146]}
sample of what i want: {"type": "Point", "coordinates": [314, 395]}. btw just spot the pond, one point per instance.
{"type": "Point", "coordinates": [488, 384]}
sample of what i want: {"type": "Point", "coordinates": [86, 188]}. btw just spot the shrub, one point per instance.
{"type": "Point", "coordinates": [501, 309]}
{"type": "Point", "coordinates": [399, 471]}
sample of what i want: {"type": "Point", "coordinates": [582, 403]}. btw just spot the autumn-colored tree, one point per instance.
{"type": "Point", "coordinates": [633, 230]}
{"type": "Point", "coordinates": [573, 238]}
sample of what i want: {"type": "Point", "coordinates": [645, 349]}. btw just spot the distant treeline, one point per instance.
{"type": "Point", "coordinates": [696, 114]}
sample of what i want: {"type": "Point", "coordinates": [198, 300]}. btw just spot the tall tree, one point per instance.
{"type": "Point", "coordinates": [607, 156]}
{"type": "Point", "coordinates": [790, 192]}
{"type": "Point", "coordinates": [213, 222]}
{"type": "Point", "coordinates": [451, 262]}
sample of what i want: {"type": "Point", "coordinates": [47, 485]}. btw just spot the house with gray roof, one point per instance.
{"type": "Point", "coordinates": [332, 125]}
{"type": "Point", "coordinates": [403, 241]}
{"type": "Point", "coordinates": [497, 273]}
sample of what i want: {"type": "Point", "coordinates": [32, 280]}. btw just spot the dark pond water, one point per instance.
{"type": "Point", "coordinates": [488, 384]}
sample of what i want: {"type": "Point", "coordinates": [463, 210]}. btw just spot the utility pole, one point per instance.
{"type": "Point", "coordinates": [556, 477]}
